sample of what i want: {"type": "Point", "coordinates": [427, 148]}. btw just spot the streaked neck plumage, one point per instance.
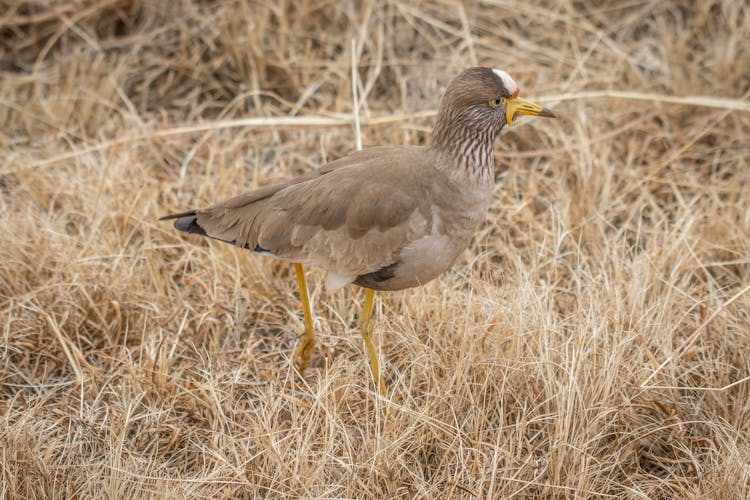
{"type": "Point", "coordinates": [465, 136]}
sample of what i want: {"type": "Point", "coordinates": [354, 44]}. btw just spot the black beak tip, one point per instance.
{"type": "Point", "coordinates": [547, 113]}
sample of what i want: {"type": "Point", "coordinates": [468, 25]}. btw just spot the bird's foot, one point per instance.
{"type": "Point", "coordinates": [303, 352]}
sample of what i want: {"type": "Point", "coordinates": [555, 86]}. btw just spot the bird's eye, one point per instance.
{"type": "Point", "coordinates": [495, 103]}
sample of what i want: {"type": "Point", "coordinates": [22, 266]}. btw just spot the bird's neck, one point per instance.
{"type": "Point", "coordinates": [467, 145]}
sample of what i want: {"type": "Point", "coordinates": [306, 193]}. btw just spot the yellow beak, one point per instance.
{"type": "Point", "coordinates": [518, 106]}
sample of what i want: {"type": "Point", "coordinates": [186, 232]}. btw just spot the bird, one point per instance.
{"type": "Point", "coordinates": [384, 218]}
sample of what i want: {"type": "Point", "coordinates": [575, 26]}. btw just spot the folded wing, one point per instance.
{"type": "Point", "coordinates": [352, 217]}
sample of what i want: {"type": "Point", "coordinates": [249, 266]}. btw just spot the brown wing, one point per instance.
{"type": "Point", "coordinates": [354, 216]}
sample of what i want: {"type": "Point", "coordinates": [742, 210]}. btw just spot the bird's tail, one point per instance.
{"type": "Point", "coordinates": [187, 222]}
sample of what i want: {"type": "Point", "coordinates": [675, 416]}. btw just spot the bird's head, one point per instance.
{"type": "Point", "coordinates": [478, 103]}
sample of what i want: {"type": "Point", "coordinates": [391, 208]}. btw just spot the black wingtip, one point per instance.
{"type": "Point", "coordinates": [177, 216]}
{"type": "Point", "coordinates": [189, 224]}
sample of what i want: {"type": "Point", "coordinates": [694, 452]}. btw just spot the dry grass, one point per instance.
{"type": "Point", "coordinates": [139, 363]}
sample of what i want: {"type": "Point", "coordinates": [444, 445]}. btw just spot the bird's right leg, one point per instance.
{"type": "Point", "coordinates": [366, 329]}
{"type": "Point", "coordinates": [306, 345]}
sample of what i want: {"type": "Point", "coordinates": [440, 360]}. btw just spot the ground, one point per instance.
{"type": "Point", "coordinates": [593, 341]}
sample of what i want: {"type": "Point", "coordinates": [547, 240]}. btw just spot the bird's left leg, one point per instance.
{"type": "Point", "coordinates": [306, 345]}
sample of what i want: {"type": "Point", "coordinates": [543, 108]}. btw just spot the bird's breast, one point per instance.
{"type": "Point", "coordinates": [428, 257]}
{"type": "Point", "coordinates": [460, 220]}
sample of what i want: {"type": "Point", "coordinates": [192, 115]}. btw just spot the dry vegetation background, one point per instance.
{"type": "Point", "coordinates": [140, 363]}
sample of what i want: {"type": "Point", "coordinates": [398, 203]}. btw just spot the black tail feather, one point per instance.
{"type": "Point", "coordinates": [189, 224]}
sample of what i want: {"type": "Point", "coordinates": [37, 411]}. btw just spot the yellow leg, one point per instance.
{"type": "Point", "coordinates": [366, 327]}
{"type": "Point", "coordinates": [306, 344]}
